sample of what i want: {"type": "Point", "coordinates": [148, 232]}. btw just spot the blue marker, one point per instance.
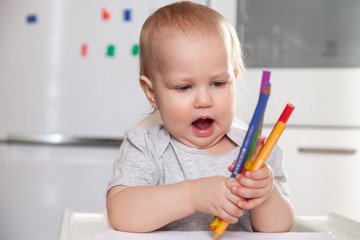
{"type": "Point", "coordinates": [251, 132]}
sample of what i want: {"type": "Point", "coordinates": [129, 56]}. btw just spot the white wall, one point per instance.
{"type": "Point", "coordinates": [227, 8]}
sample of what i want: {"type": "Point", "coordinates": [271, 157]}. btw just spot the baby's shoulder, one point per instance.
{"type": "Point", "coordinates": [156, 138]}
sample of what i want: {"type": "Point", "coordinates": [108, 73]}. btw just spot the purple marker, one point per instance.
{"type": "Point", "coordinates": [264, 81]}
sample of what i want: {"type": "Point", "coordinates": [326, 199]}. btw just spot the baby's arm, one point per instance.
{"type": "Point", "coordinates": [270, 210]}
{"type": "Point", "coordinates": [147, 208]}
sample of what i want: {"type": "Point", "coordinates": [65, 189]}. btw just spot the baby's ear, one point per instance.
{"type": "Point", "coordinates": [148, 88]}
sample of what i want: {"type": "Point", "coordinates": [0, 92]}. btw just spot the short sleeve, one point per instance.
{"type": "Point", "coordinates": [136, 165]}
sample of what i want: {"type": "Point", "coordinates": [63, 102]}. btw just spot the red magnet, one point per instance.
{"type": "Point", "coordinates": [105, 14]}
{"type": "Point", "coordinates": [84, 49]}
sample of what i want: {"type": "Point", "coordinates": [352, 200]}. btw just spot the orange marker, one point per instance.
{"type": "Point", "coordinates": [273, 138]}
{"type": "Point", "coordinates": [220, 228]}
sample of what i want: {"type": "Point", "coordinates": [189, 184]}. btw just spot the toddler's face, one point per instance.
{"type": "Point", "coordinates": [194, 88]}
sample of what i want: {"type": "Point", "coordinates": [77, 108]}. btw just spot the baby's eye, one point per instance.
{"type": "Point", "coordinates": [218, 84]}
{"type": "Point", "coordinates": [183, 88]}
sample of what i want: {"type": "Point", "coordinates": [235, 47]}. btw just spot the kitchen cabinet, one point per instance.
{"type": "Point", "coordinates": [323, 170]}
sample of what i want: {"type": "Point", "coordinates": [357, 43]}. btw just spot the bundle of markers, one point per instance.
{"type": "Point", "coordinates": [254, 151]}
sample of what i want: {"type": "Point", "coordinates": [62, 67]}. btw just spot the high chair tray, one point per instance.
{"type": "Point", "coordinates": [86, 226]}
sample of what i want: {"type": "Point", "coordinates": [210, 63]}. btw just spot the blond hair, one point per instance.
{"type": "Point", "coordinates": [184, 17]}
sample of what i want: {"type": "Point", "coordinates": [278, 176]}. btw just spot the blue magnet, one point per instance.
{"type": "Point", "coordinates": [32, 18]}
{"type": "Point", "coordinates": [127, 14]}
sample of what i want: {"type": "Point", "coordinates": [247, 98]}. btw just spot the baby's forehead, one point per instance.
{"type": "Point", "coordinates": [182, 49]}
{"type": "Point", "coordinates": [163, 42]}
{"type": "Point", "coordinates": [170, 40]}
{"type": "Point", "coordinates": [198, 35]}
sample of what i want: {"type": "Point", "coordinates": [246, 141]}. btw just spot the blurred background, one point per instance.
{"type": "Point", "coordinates": [69, 90]}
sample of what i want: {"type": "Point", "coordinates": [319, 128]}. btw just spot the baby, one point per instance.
{"type": "Point", "coordinates": [175, 176]}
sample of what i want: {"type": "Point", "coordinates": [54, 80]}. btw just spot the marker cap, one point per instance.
{"type": "Point", "coordinates": [286, 113]}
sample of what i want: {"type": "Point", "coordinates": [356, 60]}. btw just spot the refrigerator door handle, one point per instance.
{"type": "Point", "coordinates": [60, 140]}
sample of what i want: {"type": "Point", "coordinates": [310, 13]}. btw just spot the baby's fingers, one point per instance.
{"type": "Point", "coordinates": [263, 173]}
{"type": "Point", "coordinates": [232, 209]}
{"type": "Point", "coordinates": [231, 167]}
{"type": "Point", "coordinates": [231, 213]}
{"type": "Point", "coordinates": [233, 186]}
{"type": "Point", "coordinates": [246, 182]}
{"type": "Point", "coordinates": [250, 203]}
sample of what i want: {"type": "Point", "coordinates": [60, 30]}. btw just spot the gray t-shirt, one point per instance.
{"type": "Point", "coordinates": [153, 157]}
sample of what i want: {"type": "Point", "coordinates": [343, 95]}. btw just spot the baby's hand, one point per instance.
{"type": "Point", "coordinates": [212, 195]}
{"type": "Point", "coordinates": [255, 187]}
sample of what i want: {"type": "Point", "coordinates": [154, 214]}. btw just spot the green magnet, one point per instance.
{"type": "Point", "coordinates": [110, 51]}
{"type": "Point", "coordinates": [135, 49]}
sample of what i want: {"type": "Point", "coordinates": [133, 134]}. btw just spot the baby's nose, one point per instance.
{"type": "Point", "coordinates": [203, 99]}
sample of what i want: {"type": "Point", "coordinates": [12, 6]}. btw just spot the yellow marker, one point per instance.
{"type": "Point", "coordinates": [215, 222]}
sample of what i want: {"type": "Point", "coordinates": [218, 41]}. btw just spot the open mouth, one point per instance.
{"type": "Point", "coordinates": [203, 123]}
